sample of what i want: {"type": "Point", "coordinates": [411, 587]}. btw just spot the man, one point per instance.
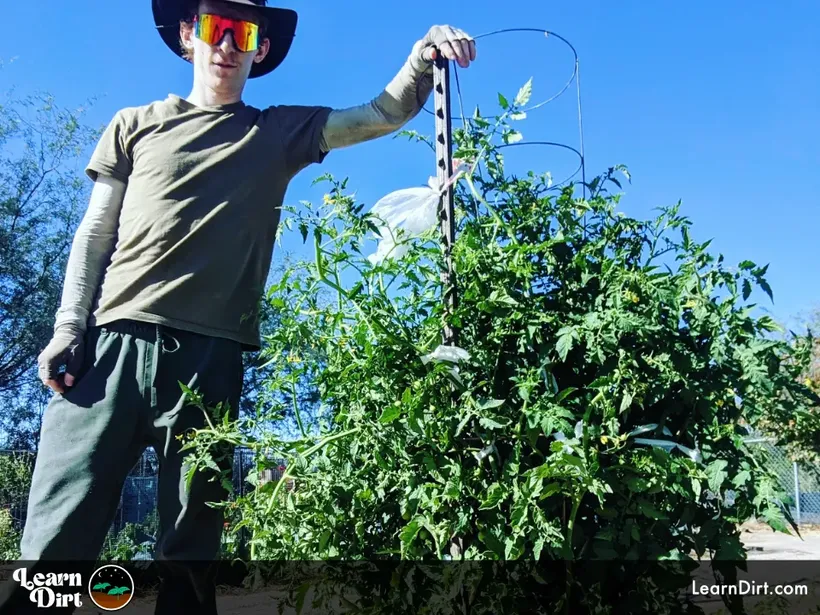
{"type": "Point", "coordinates": [166, 272]}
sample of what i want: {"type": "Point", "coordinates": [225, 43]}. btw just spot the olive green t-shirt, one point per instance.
{"type": "Point", "coordinates": [200, 212]}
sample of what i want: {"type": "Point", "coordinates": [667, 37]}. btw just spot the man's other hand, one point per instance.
{"type": "Point", "coordinates": [65, 348]}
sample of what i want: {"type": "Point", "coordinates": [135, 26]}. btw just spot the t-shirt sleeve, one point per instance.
{"type": "Point", "coordinates": [301, 130]}
{"type": "Point", "coordinates": [112, 157]}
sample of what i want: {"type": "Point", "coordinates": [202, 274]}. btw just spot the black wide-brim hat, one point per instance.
{"type": "Point", "coordinates": [281, 28]}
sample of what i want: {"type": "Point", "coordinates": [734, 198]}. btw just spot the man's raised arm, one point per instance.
{"type": "Point", "coordinates": [403, 97]}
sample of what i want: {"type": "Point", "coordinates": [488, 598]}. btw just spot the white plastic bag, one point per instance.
{"type": "Point", "coordinates": [452, 354]}
{"type": "Point", "coordinates": [406, 213]}
{"type": "Point", "coordinates": [409, 213]}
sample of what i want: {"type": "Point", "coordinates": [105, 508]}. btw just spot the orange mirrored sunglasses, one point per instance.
{"type": "Point", "coordinates": [211, 28]}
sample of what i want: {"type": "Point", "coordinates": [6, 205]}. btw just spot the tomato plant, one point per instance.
{"type": "Point", "coordinates": [614, 366]}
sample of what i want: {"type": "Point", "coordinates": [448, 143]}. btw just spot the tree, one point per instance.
{"type": "Point", "coordinates": [812, 373]}
{"type": "Point", "coordinates": [42, 196]}
{"type": "Point", "coordinates": [798, 429]}
{"type": "Point", "coordinates": [613, 367]}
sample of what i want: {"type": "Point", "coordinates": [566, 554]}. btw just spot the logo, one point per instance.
{"type": "Point", "coordinates": [111, 587]}
{"type": "Point", "coordinates": [46, 590]}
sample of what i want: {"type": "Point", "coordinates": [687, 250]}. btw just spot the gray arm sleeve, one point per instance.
{"type": "Point", "coordinates": [91, 251]}
{"type": "Point", "coordinates": [400, 102]}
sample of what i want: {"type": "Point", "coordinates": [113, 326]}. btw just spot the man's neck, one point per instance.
{"type": "Point", "coordinates": [205, 97]}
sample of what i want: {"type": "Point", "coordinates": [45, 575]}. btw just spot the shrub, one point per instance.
{"type": "Point", "coordinates": [614, 367]}
{"type": "Point", "coordinates": [798, 430]}
{"type": "Point", "coordinates": [9, 536]}
{"type": "Point", "coordinates": [15, 478]}
{"type": "Point", "coordinates": [133, 541]}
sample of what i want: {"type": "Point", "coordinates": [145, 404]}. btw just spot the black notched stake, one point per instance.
{"type": "Point", "coordinates": [444, 168]}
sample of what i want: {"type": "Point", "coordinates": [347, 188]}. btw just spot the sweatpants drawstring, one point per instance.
{"type": "Point", "coordinates": [159, 348]}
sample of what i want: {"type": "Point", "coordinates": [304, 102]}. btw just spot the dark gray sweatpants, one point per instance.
{"type": "Point", "coordinates": [127, 398]}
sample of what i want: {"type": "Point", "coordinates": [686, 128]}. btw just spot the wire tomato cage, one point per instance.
{"type": "Point", "coordinates": [442, 105]}
{"type": "Point", "coordinates": [443, 74]}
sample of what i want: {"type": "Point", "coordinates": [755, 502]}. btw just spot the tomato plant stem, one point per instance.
{"type": "Point", "coordinates": [286, 474]}
{"type": "Point", "coordinates": [568, 549]}
{"type": "Point", "coordinates": [296, 405]}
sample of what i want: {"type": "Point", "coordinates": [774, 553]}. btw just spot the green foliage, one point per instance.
{"type": "Point", "coordinates": [9, 537]}
{"type": "Point", "coordinates": [615, 367]}
{"type": "Point", "coordinates": [15, 481]}
{"type": "Point", "coordinates": [798, 429]}
{"type": "Point", "coordinates": [15, 477]}
{"type": "Point", "coordinates": [127, 545]}
{"type": "Point", "coordinates": [42, 196]}
{"type": "Point", "coordinates": [133, 541]}
{"type": "Point", "coordinates": [277, 401]}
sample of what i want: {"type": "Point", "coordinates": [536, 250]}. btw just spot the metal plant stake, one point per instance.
{"type": "Point", "coordinates": [444, 169]}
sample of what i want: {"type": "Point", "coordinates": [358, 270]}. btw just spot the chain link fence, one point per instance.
{"type": "Point", "coordinates": [138, 500]}
{"type": "Point", "coordinates": [799, 482]}
{"type": "Point", "coordinates": [140, 492]}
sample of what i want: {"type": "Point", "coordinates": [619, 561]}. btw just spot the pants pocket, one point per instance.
{"type": "Point", "coordinates": [89, 353]}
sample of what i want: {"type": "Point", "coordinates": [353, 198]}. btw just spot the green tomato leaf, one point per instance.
{"type": "Point", "coordinates": [519, 513]}
{"type": "Point", "coordinates": [566, 340]}
{"type": "Point", "coordinates": [390, 414]}
{"type": "Point", "coordinates": [626, 402]}
{"type": "Point", "coordinates": [696, 488]}
{"type": "Point", "coordinates": [489, 423]}
{"type": "Point", "coordinates": [495, 495]}
{"type": "Point", "coordinates": [409, 532]}
{"type": "Point", "coordinates": [524, 94]}
{"type": "Point", "coordinates": [747, 289]}
{"type": "Point", "coordinates": [716, 474]}
{"type": "Point", "coordinates": [513, 137]}
{"type": "Point", "coordinates": [775, 518]}
{"type": "Point", "coordinates": [492, 542]}
{"type": "Point", "coordinates": [487, 404]}
{"type": "Point", "coordinates": [649, 509]}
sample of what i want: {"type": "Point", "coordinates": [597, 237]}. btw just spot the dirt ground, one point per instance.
{"type": "Point", "coordinates": [761, 542]}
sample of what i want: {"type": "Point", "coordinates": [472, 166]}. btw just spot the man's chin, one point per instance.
{"type": "Point", "coordinates": [222, 82]}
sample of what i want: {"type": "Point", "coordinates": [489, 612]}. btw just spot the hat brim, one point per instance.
{"type": "Point", "coordinates": [281, 30]}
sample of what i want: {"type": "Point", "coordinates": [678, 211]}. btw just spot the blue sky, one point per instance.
{"type": "Point", "coordinates": [714, 104]}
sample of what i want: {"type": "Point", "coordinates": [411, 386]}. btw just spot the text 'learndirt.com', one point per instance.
{"type": "Point", "coordinates": [748, 588]}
